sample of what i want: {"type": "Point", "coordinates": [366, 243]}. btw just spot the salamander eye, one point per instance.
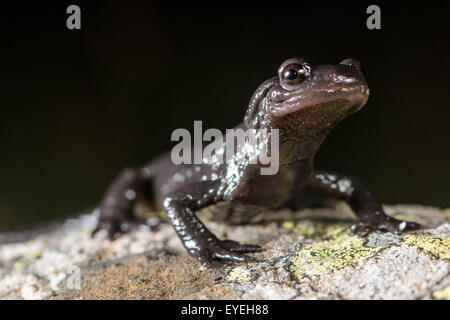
{"type": "Point", "coordinates": [293, 74]}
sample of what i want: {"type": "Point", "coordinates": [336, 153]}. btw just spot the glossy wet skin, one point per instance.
{"type": "Point", "coordinates": [304, 103]}
{"type": "Point", "coordinates": [301, 86]}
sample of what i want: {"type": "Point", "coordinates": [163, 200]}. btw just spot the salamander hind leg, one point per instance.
{"type": "Point", "coordinates": [117, 207]}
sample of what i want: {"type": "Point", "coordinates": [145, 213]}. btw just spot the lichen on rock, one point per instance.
{"type": "Point", "coordinates": [309, 254]}
{"type": "Point", "coordinates": [443, 294]}
{"type": "Point", "coordinates": [325, 256]}
{"type": "Point", "coordinates": [438, 247]}
{"type": "Point", "coordinates": [240, 274]}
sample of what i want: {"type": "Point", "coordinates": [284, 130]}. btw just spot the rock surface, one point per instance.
{"type": "Point", "coordinates": [309, 254]}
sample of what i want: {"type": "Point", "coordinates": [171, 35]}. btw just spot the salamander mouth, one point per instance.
{"type": "Point", "coordinates": [356, 96]}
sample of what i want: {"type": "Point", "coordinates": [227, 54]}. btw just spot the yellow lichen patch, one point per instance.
{"type": "Point", "coordinates": [21, 264]}
{"type": "Point", "coordinates": [316, 259]}
{"type": "Point", "coordinates": [336, 228]}
{"type": "Point", "coordinates": [443, 294]}
{"type": "Point", "coordinates": [299, 227]}
{"type": "Point", "coordinates": [34, 254]}
{"type": "Point", "coordinates": [240, 274]}
{"type": "Point", "coordinates": [27, 259]}
{"type": "Point", "coordinates": [303, 228]}
{"type": "Point", "coordinates": [288, 225]}
{"type": "Point", "coordinates": [439, 247]}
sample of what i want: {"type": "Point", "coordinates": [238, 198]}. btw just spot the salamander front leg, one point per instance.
{"type": "Point", "coordinates": [370, 213]}
{"type": "Point", "coordinates": [181, 206]}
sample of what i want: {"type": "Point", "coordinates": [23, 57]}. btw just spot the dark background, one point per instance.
{"type": "Point", "coordinates": [78, 106]}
